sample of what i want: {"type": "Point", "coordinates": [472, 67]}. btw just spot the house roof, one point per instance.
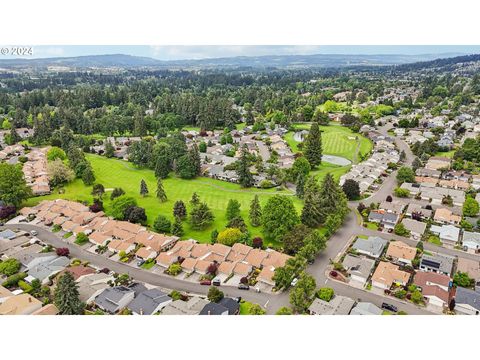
{"type": "Point", "coordinates": [366, 308]}
{"type": "Point", "coordinates": [446, 232]}
{"type": "Point", "coordinates": [339, 305]}
{"type": "Point", "coordinates": [179, 307]}
{"type": "Point", "coordinates": [19, 304]}
{"type": "Point", "coordinates": [189, 264]}
{"type": "Point", "coordinates": [414, 226]}
{"type": "Point", "coordinates": [425, 277]}
{"type": "Point", "coordinates": [443, 263]}
{"type": "Point", "coordinates": [471, 267]}
{"type": "Point", "coordinates": [468, 296]}
{"type": "Point", "coordinates": [148, 301]}
{"type": "Point", "coordinates": [226, 267]}
{"type": "Point", "coordinates": [373, 245]}
{"type": "Point", "coordinates": [387, 273]}
{"type": "Point", "coordinates": [398, 249]}
{"type": "Point", "coordinates": [232, 305]}
{"type": "Point", "coordinates": [77, 271]}
{"type": "Point", "coordinates": [242, 268]}
{"type": "Point", "coordinates": [359, 265]}
{"type": "Point", "coordinates": [49, 309]}
{"type": "Point", "coordinates": [109, 298]}
{"type": "Point", "coordinates": [255, 257]}
{"type": "Point", "coordinates": [213, 309]}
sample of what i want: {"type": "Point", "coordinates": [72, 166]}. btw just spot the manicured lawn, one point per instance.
{"type": "Point", "coordinates": [336, 140]}
{"type": "Point", "coordinates": [325, 168]}
{"type": "Point", "coordinates": [448, 154]}
{"type": "Point", "coordinates": [371, 225]}
{"type": "Point", "coordinates": [245, 307]}
{"type": "Point", "coordinates": [117, 173]}
{"type": "Point", "coordinates": [434, 240]}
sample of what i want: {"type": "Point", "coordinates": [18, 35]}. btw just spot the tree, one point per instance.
{"type": "Point", "coordinates": [179, 209]}
{"type": "Point", "coordinates": [416, 297]}
{"type": "Point", "coordinates": [185, 167]}
{"type": "Point", "coordinates": [402, 193]}
{"type": "Point", "coordinates": [120, 204]}
{"type": "Point", "coordinates": [401, 230]}
{"type": "Point", "coordinates": [117, 192]}
{"type": "Point", "coordinates": [66, 297]}
{"type": "Point", "coordinates": [405, 174]}
{"type": "Point", "coordinates": [201, 217]}
{"type": "Point", "coordinates": [301, 166]}
{"type": "Point", "coordinates": [312, 212]}
{"type": "Point", "coordinates": [300, 186]}
{"type": "Point", "coordinates": [257, 242]}
{"type": "Point", "coordinates": [162, 224]}
{"type": "Point", "coordinates": [136, 214]}
{"type": "Point", "coordinates": [229, 236]}
{"type": "Point", "coordinates": [416, 164]}
{"type": "Point", "coordinates": [177, 227]}
{"type": "Point", "coordinates": [245, 177]}
{"type": "Point", "coordinates": [214, 294]}
{"type": "Point", "coordinates": [98, 190]}
{"type": "Point", "coordinates": [233, 209]}
{"type": "Point", "coordinates": [313, 146]}
{"type": "Point", "coordinates": [351, 189]}
{"type": "Point", "coordinates": [56, 153]}
{"type": "Point", "coordinates": [109, 149]}
{"type": "Point", "coordinates": [63, 252]}
{"type": "Point", "coordinates": [161, 195]}
{"type": "Point", "coordinates": [238, 223]}
{"type": "Point", "coordinates": [284, 310]}
{"type": "Point", "coordinates": [195, 200]}
{"type": "Point", "coordinates": [470, 207]}
{"type": "Point", "coordinates": [10, 267]}
{"type": "Point", "coordinates": [279, 217]}
{"type": "Point", "coordinates": [59, 173]}
{"type": "Point", "coordinates": [195, 159]}
{"type": "Point", "coordinates": [143, 188]}
{"type": "Point", "coordinates": [325, 294]}
{"type": "Point", "coordinates": [293, 240]}
{"type": "Point", "coordinates": [202, 147]}
{"type": "Point", "coordinates": [13, 188]}
{"type": "Point", "coordinates": [463, 280]}
{"type": "Point", "coordinates": [389, 198]}
{"type": "Point", "coordinates": [301, 295]}
{"type": "Point", "coordinates": [256, 309]}
{"type": "Point", "coordinates": [214, 236]}
{"type": "Point", "coordinates": [88, 177]}
{"type": "Point", "coordinates": [255, 212]}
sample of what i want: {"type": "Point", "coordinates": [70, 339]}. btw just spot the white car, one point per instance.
{"type": "Point", "coordinates": [33, 233]}
{"type": "Point", "coordinates": [294, 282]}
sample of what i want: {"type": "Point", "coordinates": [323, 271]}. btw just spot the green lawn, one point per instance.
{"type": "Point", "coordinates": [335, 170]}
{"type": "Point", "coordinates": [336, 140]}
{"type": "Point", "coordinates": [434, 240]}
{"type": "Point", "coordinates": [371, 225]}
{"type": "Point", "coordinates": [448, 154]}
{"type": "Point", "coordinates": [245, 307]}
{"type": "Point", "coordinates": [117, 173]}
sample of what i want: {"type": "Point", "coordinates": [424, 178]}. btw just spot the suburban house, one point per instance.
{"type": "Point", "coordinates": [437, 163]}
{"type": "Point", "coordinates": [471, 267]}
{"type": "Point", "coordinates": [372, 246]}
{"type": "Point", "coordinates": [21, 304]}
{"type": "Point", "coordinates": [447, 233]}
{"type": "Point", "coordinates": [366, 308]}
{"type": "Point", "coordinates": [445, 216]}
{"type": "Point", "coordinates": [149, 302]}
{"type": "Point", "coordinates": [49, 309]}
{"type": "Point", "coordinates": [416, 228]}
{"type": "Point", "coordinates": [43, 268]}
{"type": "Point", "coordinates": [437, 288]}
{"type": "Point", "coordinates": [214, 309]}
{"type": "Point", "coordinates": [191, 307]}
{"type": "Point", "coordinates": [471, 240]}
{"type": "Point", "coordinates": [467, 301]}
{"type": "Point", "coordinates": [437, 263]}
{"type": "Point", "coordinates": [339, 305]}
{"type": "Point", "coordinates": [387, 219]}
{"type": "Point", "coordinates": [395, 207]}
{"type": "Point", "coordinates": [388, 274]}
{"type": "Point", "coordinates": [114, 299]}
{"type": "Point", "coordinates": [90, 286]}
{"type": "Point", "coordinates": [359, 268]}
{"type": "Point", "coordinates": [231, 304]}
{"type": "Point", "coordinates": [400, 252]}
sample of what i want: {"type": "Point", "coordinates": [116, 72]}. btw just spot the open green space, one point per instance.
{"type": "Point", "coordinates": [336, 140]}
{"type": "Point", "coordinates": [448, 154]}
{"type": "Point", "coordinates": [245, 307]}
{"type": "Point", "coordinates": [117, 173]}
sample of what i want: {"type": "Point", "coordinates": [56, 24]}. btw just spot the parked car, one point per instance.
{"type": "Point", "coordinates": [243, 287]}
{"type": "Point", "coordinates": [216, 282]}
{"type": "Point", "coordinates": [140, 262]}
{"type": "Point", "coordinates": [333, 273]}
{"type": "Point", "coordinates": [389, 307]}
{"type": "Point", "coordinates": [294, 282]}
{"type": "Point", "coordinates": [257, 289]}
{"type": "Point", "coordinates": [205, 282]}
{"type": "Point", "coordinates": [34, 233]}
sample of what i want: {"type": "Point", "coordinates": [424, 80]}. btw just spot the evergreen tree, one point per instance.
{"type": "Point", "coordinates": [416, 164]}
{"type": "Point", "coordinates": [180, 210]}
{"type": "Point", "coordinates": [195, 199]}
{"type": "Point", "coordinates": [162, 166]}
{"type": "Point", "coordinates": [88, 177]}
{"type": "Point", "coordinates": [162, 224]}
{"type": "Point", "coordinates": [311, 212]}
{"type": "Point", "coordinates": [245, 177]}
{"type": "Point", "coordinates": [333, 199]}
{"type": "Point", "coordinates": [66, 297]}
{"type": "Point", "coordinates": [214, 236]}
{"type": "Point", "coordinates": [300, 185]}
{"type": "Point", "coordinates": [201, 217]}
{"type": "Point", "coordinates": [143, 188]}
{"type": "Point", "coordinates": [313, 146]}
{"type": "Point", "coordinates": [233, 209]}
{"type": "Point", "coordinates": [177, 227]}
{"type": "Point", "coordinates": [255, 212]}
{"type": "Point", "coordinates": [161, 195]}
{"type": "Point", "coordinates": [195, 159]}
{"type": "Point", "coordinates": [109, 149]}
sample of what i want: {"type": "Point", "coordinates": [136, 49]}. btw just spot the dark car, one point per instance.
{"type": "Point", "coordinates": [389, 307]}
{"type": "Point", "coordinates": [333, 273]}
{"type": "Point", "coordinates": [244, 287]}
{"type": "Point", "coordinates": [205, 282]}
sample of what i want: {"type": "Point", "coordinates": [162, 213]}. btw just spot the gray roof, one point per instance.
{"type": "Point", "coordinates": [213, 309]}
{"type": "Point", "coordinates": [7, 234]}
{"type": "Point", "coordinates": [373, 245]}
{"type": "Point", "coordinates": [443, 263]}
{"type": "Point", "coordinates": [468, 296]}
{"type": "Point", "coordinates": [232, 305]}
{"type": "Point", "coordinates": [358, 265]}
{"type": "Point", "coordinates": [49, 267]}
{"type": "Point", "coordinates": [366, 308]}
{"type": "Point", "coordinates": [110, 297]}
{"type": "Point", "coordinates": [148, 301]}
{"type": "Point", "coordinates": [339, 305]}
{"type": "Point", "coordinates": [471, 237]}
{"type": "Point", "coordinates": [414, 226]}
{"type": "Point", "coordinates": [191, 307]}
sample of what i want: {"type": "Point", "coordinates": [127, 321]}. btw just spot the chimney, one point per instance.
{"type": "Point", "coordinates": [141, 311]}
{"type": "Point", "coordinates": [209, 312]}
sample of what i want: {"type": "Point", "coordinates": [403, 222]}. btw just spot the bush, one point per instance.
{"type": "Point", "coordinates": [26, 287]}
{"type": "Point", "coordinates": [257, 242]}
{"type": "Point", "coordinates": [56, 228]}
{"type": "Point", "coordinates": [117, 192]}
{"type": "Point", "coordinates": [81, 239]}
{"type": "Point", "coordinates": [174, 269]}
{"type": "Point", "coordinates": [325, 293]}
{"type": "Point", "coordinates": [63, 252]}
{"type": "Point", "coordinates": [230, 236]}
{"type": "Point", "coordinates": [7, 211]}
{"type": "Point", "coordinates": [14, 279]}
{"type": "Point", "coordinates": [214, 294]}
{"type": "Point", "coordinates": [10, 267]}
{"type": "Point", "coordinates": [402, 193]}
{"type": "Point", "coordinates": [120, 205]}
{"type": "Point", "coordinates": [176, 295]}
{"type": "Point", "coordinates": [401, 294]}
{"type": "Point", "coordinates": [136, 214]}
{"type": "Point", "coordinates": [162, 224]}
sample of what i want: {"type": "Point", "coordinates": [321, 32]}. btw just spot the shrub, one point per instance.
{"type": "Point", "coordinates": [7, 211]}
{"type": "Point", "coordinates": [401, 294]}
{"type": "Point", "coordinates": [63, 252]}
{"type": "Point", "coordinates": [175, 295]}
{"type": "Point", "coordinates": [14, 279]}
{"type": "Point", "coordinates": [26, 287]}
{"type": "Point", "coordinates": [402, 193]}
{"type": "Point", "coordinates": [81, 239]}
{"type": "Point", "coordinates": [214, 294]}
{"type": "Point", "coordinates": [56, 228]}
{"type": "Point", "coordinates": [174, 269]}
{"type": "Point", "coordinates": [212, 269]}
{"type": "Point", "coordinates": [244, 280]}
{"type": "Point", "coordinates": [229, 236]}
{"type": "Point", "coordinates": [325, 293]}
{"type": "Point", "coordinates": [162, 224]}
{"type": "Point", "coordinates": [257, 242]}
{"type": "Point", "coordinates": [10, 267]}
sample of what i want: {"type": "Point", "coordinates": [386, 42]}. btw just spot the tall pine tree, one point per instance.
{"type": "Point", "coordinates": [179, 209]}
{"type": "Point", "coordinates": [161, 195]}
{"type": "Point", "coordinates": [245, 177]}
{"type": "Point", "coordinates": [255, 213]}
{"type": "Point", "coordinates": [312, 208]}
{"type": "Point", "coordinates": [300, 185]}
{"type": "Point", "coordinates": [313, 146]}
{"type": "Point", "coordinates": [143, 188]}
{"type": "Point", "coordinates": [177, 227]}
{"type": "Point", "coordinates": [66, 297]}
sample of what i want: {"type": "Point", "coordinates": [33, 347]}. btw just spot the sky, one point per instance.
{"type": "Point", "coordinates": [201, 52]}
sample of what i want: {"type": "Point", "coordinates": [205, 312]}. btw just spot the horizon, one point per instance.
{"type": "Point", "coordinates": [198, 52]}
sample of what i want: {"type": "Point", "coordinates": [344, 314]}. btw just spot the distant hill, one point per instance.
{"type": "Point", "coordinates": [440, 63]}
{"type": "Point", "coordinates": [269, 61]}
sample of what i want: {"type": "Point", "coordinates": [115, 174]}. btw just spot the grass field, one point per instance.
{"type": "Point", "coordinates": [117, 173]}
{"type": "Point", "coordinates": [336, 140]}
{"type": "Point", "coordinates": [448, 154]}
